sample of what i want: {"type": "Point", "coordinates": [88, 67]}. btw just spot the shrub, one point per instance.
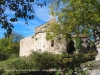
{"type": "Point", "coordinates": [7, 48]}
{"type": "Point", "coordinates": [16, 66]}
{"type": "Point", "coordinates": [43, 61]}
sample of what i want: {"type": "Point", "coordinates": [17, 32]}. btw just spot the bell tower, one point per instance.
{"type": "Point", "coordinates": [52, 17]}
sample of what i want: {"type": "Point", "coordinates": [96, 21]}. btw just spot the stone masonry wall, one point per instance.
{"type": "Point", "coordinates": [26, 45]}
{"type": "Point", "coordinates": [39, 42]}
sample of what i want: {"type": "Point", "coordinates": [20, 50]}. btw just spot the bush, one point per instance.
{"type": "Point", "coordinates": [38, 61]}
{"type": "Point", "coordinates": [45, 60]}
{"type": "Point", "coordinates": [7, 48]}
{"type": "Point", "coordinates": [16, 66]}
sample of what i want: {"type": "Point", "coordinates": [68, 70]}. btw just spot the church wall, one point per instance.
{"type": "Point", "coordinates": [41, 28]}
{"type": "Point", "coordinates": [39, 42]}
{"type": "Point", "coordinates": [26, 45]}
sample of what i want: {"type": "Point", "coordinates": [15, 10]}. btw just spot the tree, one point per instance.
{"type": "Point", "coordinates": [16, 37]}
{"type": "Point", "coordinates": [10, 46]}
{"type": "Point", "coordinates": [77, 17]}
{"type": "Point", "coordinates": [20, 8]}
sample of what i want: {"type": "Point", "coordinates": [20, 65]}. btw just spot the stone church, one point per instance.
{"type": "Point", "coordinates": [38, 41]}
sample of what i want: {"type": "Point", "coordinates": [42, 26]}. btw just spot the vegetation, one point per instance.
{"type": "Point", "coordinates": [53, 30]}
{"type": "Point", "coordinates": [78, 42]}
{"type": "Point", "coordinates": [9, 47]}
{"type": "Point", "coordinates": [20, 9]}
{"type": "Point", "coordinates": [44, 61]}
{"type": "Point", "coordinates": [76, 17]}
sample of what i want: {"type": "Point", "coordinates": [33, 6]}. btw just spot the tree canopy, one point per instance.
{"type": "Point", "coordinates": [20, 8]}
{"type": "Point", "coordinates": [77, 16]}
{"type": "Point", "coordinates": [10, 46]}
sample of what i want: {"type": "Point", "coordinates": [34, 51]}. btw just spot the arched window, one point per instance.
{"type": "Point", "coordinates": [52, 43]}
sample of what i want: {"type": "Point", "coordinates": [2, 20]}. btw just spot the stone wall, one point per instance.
{"type": "Point", "coordinates": [39, 42]}
{"type": "Point", "coordinates": [97, 42]}
{"type": "Point", "coordinates": [26, 45]}
{"type": "Point", "coordinates": [85, 44]}
{"type": "Point", "coordinates": [41, 28]}
{"type": "Point", "coordinates": [91, 67]}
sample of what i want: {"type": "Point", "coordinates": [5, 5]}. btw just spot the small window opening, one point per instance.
{"type": "Point", "coordinates": [52, 43]}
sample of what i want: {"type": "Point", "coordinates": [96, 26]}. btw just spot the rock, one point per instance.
{"type": "Point", "coordinates": [95, 72]}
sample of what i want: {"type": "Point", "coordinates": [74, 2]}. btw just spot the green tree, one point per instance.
{"type": "Point", "coordinates": [50, 60]}
{"type": "Point", "coordinates": [54, 29]}
{"type": "Point", "coordinates": [5, 48]}
{"type": "Point", "coordinates": [77, 16]}
{"type": "Point", "coordinates": [9, 46]}
{"type": "Point", "coordinates": [77, 42]}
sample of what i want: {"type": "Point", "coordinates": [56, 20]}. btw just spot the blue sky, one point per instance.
{"type": "Point", "coordinates": [28, 30]}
